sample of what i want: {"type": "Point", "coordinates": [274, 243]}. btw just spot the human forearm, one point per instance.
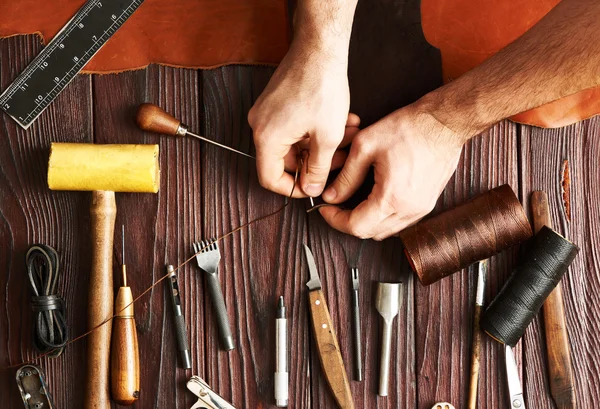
{"type": "Point", "coordinates": [559, 56]}
{"type": "Point", "coordinates": [324, 26]}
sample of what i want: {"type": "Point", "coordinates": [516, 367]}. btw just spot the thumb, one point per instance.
{"type": "Point", "coordinates": [320, 155]}
{"type": "Point", "coordinates": [350, 178]}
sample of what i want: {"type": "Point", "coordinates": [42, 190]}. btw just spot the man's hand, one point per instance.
{"type": "Point", "coordinates": [304, 107]}
{"type": "Point", "coordinates": [413, 155]}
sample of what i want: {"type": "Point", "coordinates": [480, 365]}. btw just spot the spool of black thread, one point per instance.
{"type": "Point", "coordinates": [521, 298]}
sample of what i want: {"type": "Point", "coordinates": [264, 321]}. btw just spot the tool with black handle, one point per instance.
{"type": "Point", "coordinates": [208, 257]}
{"type": "Point", "coordinates": [358, 369]}
{"type": "Point", "coordinates": [180, 329]}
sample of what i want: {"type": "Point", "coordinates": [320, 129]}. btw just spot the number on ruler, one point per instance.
{"type": "Point", "coordinates": [75, 59]}
{"type": "Point", "coordinates": [113, 17]}
{"type": "Point", "coordinates": [80, 25]}
{"type": "Point", "coordinates": [39, 98]}
{"type": "Point", "coordinates": [44, 65]}
{"type": "Point", "coordinates": [56, 79]}
{"type": "Point", "coordinates": [61, 46]}
{"type": "Point", "coordinates": [6, 106]}
{"type": "Point", "coordinates": [99, 5]}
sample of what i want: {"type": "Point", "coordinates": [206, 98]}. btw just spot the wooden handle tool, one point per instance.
{"type": "Point", "coordinates": [329, 350]}
{"type": "Point", "coordinates": [482, 268]}
{"type": "Point", "coordinates": [560, 370]}
{"type": "Point", "coordinates": [152, 118]}
{"type": "Point", "coordinates": [104, 170]}
{"type": "Point", "coordinates": [124, 356]}
{"type": "Point", "coordinates": [103, 212]}
{"type": "Point", "coordinates": [327, 344]}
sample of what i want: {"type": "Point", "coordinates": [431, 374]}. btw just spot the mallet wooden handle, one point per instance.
{"type": "Point", "coordinates": [103, 212]}
{"type": "Point", "coordinates": [560, 369]}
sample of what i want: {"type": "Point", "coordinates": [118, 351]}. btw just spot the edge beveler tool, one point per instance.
{"type": "Point", "coordinates": [327, 344]}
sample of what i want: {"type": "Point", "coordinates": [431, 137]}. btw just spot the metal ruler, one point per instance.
{"type": "Point", "coordinates": [60, 61]}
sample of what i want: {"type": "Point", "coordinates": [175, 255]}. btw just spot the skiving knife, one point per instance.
{"type": "Point", "coordinates": [327, 345]}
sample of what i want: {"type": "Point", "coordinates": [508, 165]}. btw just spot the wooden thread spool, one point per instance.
{"type": "Point", "coordinates": [529, 285]}
{"type": "Point", "coordinates": [475, 230]}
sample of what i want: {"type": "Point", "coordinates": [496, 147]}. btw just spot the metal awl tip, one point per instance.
{"type": "Point", "coordinates": [355, 278]}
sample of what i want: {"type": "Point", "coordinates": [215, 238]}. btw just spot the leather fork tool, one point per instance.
{"type": "Point", "coordinates": [327, 344]}
{"type": "Point", "coordinates": [208, 257]}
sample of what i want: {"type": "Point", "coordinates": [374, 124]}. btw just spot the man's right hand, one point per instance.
{"type": "Point", "coordinates": [304, 108]}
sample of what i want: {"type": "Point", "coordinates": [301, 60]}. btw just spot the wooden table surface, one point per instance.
{"type": "Point", "coordinates": [206, 192]}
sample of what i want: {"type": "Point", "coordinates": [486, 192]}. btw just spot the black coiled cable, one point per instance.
{"type": "Point", "coordinates": [50, 327]}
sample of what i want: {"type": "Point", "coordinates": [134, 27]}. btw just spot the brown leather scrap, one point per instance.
{"type": "Point", "coordinates": [469, 31]}
{"type": "Point", "coordinates": [181, 33]}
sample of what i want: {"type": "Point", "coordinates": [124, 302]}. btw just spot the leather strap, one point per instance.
{"type": "Point", "coordinates": [50, 328]}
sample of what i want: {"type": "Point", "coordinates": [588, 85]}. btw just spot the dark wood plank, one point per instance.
{"type": "Point", "coordinates": [542, 161]}
{"type": "Point", "coordinates": [159, 228]}
{"type": "Point", "coordinates": [444, 310]}
{"type": "Point", "coordinates": [30, 213]}
{"type": "Point", "coordinates": [260, 262]}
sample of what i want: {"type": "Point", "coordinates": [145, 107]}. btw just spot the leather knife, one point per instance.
{"type": "Point", "coordinates": [327, 344]}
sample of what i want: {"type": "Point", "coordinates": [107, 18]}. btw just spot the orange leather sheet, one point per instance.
{"type": "Point", "coordinates": [469, 31]}
{"type": "Point", "coordinates": [182, 33]}
{"type": "Point", "coordinates": [210, 33]}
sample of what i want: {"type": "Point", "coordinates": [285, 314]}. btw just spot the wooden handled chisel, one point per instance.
{"type": "Point", "coordinates": [562, 385]}
{"type": "Point", "coordinates": [327, 344]}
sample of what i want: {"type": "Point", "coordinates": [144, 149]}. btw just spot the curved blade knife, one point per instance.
{"type": "Point", "coordinates": [327, 345]}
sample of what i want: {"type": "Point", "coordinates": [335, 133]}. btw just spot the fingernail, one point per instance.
{"type": "Point", "coordinates": [313, 189]}
{"type": "Point", "coordinates": [329, 194]}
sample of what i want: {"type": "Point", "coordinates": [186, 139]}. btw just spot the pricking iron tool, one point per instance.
{"type": "Point", "coordinates": [514, 384]}
{"type": "Point", "coordinates": [207, 398]}
{"type": "Point", "coordinates": [34, 392]}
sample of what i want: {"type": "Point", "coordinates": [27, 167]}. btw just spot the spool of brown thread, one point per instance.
{"type": "Point", "coordinates": [475, 230]}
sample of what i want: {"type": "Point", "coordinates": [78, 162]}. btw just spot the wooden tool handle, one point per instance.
{"type": "Point", "coordinates": [475, 360]}
{"type": "Point", "coordinates": [124, 353]}
{"type": "Point", "coordinates": [329, 350]}
{"type": "Point", "coordinates": [152, 118]}
{"type": "Point", "coordinates": [103, 212]}
{"type": "Point", "coordinates": [560, 369]}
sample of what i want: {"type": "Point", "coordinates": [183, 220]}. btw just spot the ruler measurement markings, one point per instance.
{"type": "Point", "coordinates": [46, 74]}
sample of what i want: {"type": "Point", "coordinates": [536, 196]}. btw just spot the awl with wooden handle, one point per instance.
{"type": "Point", "coordinates": [327, 344]}
{"type": "Point", "coordinates": [562, 386]}
{"type": "Point", "coordinates": [104, 170]}
{"type": "Point", "coordinates": [152, 118]}
{"type": "Point", "coordinates": [124, 354]}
